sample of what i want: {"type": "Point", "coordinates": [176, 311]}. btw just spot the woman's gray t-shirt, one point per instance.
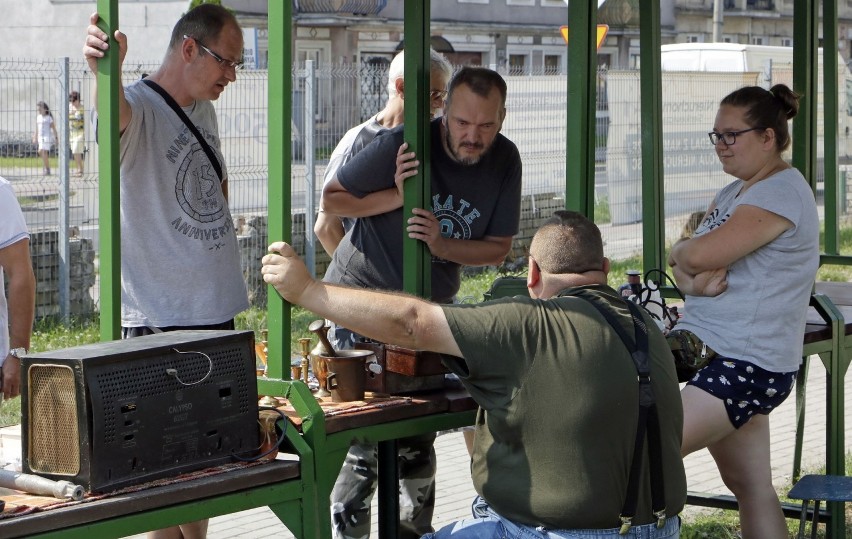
{"type": "Point", "coordinates": [760, 318]}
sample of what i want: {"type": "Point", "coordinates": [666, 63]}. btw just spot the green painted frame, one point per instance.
{"type": "Point", "coordinates": [580, 126]}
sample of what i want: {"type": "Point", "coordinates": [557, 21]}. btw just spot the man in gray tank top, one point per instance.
{"type": "Point", "coordinates": [180, 266]}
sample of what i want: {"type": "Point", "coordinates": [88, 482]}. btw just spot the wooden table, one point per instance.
{"type": "Point", "coordinates": [276, 484]}
{"type": "Point", "coordinates": [330, 438]}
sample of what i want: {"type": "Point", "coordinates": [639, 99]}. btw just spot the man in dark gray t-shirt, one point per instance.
{"type": "Point", "coordinates": [475, 209]}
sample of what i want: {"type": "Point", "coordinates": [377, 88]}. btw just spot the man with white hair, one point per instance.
{"type": "Point", "coordinates": [330, 229]}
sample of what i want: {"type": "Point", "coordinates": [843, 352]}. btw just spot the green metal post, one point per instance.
{"type": "Point", "coordinates": [805, 17]}
{"type": "Point", "coordinates": [280, 225]}
{"type": "Point", "coordinates": [108, 79]}
{"type": "Point", "coordinates": [580, 129]}
{"type": "Point", "coordinates": [831, 111]}
{"type": "Point", "coordinates": [836, 364]}
{"type": "Point", "coordinates": [650, 84]}
{"type": "Point", "coordinates": [417, 260]}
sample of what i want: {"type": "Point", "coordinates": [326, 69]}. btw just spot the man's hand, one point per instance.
{"type": "Point", "coordinates": [11, 372]}
{"type": "Point", "coordinates": [424, 226]}
{"type": "Point", "coordinates": [406, 167]}
{"type": "Point", "coordinates": [284, 270]}
{"type": "Point", "coordinates": [97, 42]}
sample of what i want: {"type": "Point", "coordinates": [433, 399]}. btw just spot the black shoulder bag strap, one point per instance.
{"type": "Point", "coordinates": [647, 415]}
{"type": "Point", "coordinates": [182, 115]}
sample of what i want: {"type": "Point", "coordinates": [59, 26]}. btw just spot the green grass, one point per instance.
{"type": "Point", "coordinates": [27, 162]}
{"type": "Point", "coordinates": [602, 215]}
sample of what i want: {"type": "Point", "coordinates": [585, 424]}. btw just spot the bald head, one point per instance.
{"type": "Point", "coordinates": [568, 243]}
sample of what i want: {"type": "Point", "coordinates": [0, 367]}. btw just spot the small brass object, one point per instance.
{"type": "Point", "coordinates": [322, 350]}
{"type": "Point", "coordinates": [305, 345]}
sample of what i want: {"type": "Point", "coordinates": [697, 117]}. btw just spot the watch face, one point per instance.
{"type": "Point", "coordinates": [18, 352]}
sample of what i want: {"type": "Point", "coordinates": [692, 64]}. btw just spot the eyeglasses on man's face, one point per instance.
{"type": "Point", "coordinates": [223, 63]}
{"type": "Point", "coordinates": [437, 94]}
{"type": "Point", "coordinates": [729, 137]}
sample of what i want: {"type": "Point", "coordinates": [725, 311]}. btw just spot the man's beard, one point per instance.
{"type": "Point", "coordinates": [465, 160]}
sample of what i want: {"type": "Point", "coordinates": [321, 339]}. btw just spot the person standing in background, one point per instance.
{"type": "Point", "coordinates": [76, 123]}
{"type": "Point", "coordinates": [473, 215]}
{"type": "Point", "coordinates": [45, 134]}
{"type": "Point", "coordinates": [330, 229]}
{"type": "Point", "coordinates": [17, 311]}
{"type": "Point", "coordinates": [174, 187]}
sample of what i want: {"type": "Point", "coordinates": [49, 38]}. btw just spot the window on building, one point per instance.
{"type": "Point", "coordinates": [758, 40]}
{"type": "Point", "coordinates": [552, 64]}
{"type": "Point", "coordinates": [764, 5]}
{"type": "Point", "coordinates": [728, 39]}
{"type": "Point", "coordinates": [635, 62]}
{"type": "Point", "coordinates": [520, 2]}
{"type": "Point", "coordinates": [517, 64]}
{"type": "Point", "coordinates": [786, 41]}
{"type": "Point", "coordinates": [694, 38]}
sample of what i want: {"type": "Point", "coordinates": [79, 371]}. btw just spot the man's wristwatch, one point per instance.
{"type": "Point", "coordinates": [19, 353]}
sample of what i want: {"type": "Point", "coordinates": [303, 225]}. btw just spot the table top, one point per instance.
{"type": "Point", "coordinates": [143, 498]}
{"type": "Point", "coordinates": [375, 409]}
{"type": "Point", "coordinates": [840, 295]}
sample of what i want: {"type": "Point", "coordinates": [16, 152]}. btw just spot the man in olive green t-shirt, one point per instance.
{"type": "Point", "coordinates": [556, 386]}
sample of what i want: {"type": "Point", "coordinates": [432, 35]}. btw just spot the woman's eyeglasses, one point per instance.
{"type": "Point", "coordinates": [729, 137]}
{"type": "Point", "coordinates": [223, 63]}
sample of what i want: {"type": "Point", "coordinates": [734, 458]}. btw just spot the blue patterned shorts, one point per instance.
{"type": "Point", "coordinates": [745, 388]}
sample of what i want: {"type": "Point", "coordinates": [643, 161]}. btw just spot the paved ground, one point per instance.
{"type": "Point", "coordinates": [455, 491]}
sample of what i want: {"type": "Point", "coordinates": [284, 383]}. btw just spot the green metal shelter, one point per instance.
{"type": "Point", "coordinates": [579, 156]}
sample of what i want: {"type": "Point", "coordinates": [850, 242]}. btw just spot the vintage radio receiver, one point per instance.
{"type": "Point", "coordinates": [117, 413]}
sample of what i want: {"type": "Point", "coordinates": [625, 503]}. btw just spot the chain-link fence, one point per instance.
{"type": "Point", "coordinates": [62, 210]}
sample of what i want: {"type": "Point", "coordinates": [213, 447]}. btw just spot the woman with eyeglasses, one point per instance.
{"type": "Point", "coordinates": [762, 224]}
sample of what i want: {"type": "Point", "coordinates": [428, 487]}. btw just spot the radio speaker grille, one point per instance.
{"type": "Point", "coordinates": [54, 434]}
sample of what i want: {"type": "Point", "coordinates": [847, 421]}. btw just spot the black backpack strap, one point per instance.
{"type": "Point", "coordinates": [182, 115]}
{"type": "Point", "coordinates": [648, 416]}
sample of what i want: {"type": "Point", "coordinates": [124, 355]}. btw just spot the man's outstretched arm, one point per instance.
{"type": "Point", "coordinates": [394, 318]}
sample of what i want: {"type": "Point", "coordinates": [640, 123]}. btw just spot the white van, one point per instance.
{"type": "Point", "coordinates": [722, 57]}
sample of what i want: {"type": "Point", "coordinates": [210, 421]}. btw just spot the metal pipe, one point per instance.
{"type": "Point", "coordinates": [34, 484]}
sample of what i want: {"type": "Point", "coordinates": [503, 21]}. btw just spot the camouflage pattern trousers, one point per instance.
{"type": "Point", "coordinates": [353, 491]}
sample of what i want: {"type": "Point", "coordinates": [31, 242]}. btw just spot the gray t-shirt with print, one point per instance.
{"type": "Point", "coordinates": [179, 259]}
{"type": "Point", "coordinates": [760, 318]}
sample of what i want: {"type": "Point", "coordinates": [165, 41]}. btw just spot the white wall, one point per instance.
{"type": "Point", "coordinates": [57, 28]}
